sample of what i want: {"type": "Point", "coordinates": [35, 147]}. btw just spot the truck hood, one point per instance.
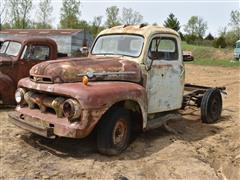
{"type": "Point", "coordinates": [72, 70]}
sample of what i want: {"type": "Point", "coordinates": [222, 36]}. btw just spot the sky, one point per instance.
{"type": "Point", "coordinates": [215, 12]}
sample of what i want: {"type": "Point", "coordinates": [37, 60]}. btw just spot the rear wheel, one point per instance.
{"type": "Point", "coordinates": [114, 132]}
{"type": "Point", "coordinates": [211, 106]}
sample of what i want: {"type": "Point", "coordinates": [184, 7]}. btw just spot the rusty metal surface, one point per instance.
{"type": "Point", "coordinates": [66, 71]}
{"type": "Point", "coordinates": [18, 120]}
{"type": "Point", "coordinates": [12, 69]}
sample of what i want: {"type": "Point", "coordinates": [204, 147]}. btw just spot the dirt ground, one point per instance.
{"type": "Point", "coordinates": [197, 151]}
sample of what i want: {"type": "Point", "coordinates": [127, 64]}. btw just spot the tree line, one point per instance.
{"type": "Point", "coordinates": [17, 16]}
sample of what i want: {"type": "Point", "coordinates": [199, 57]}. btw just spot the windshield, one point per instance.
{"type": "Point", "coordinates": [121, 44]}
{"type": "Point", "coordinates": [10, 48]}
{"type": "Point", "coordinates": [4, 47]}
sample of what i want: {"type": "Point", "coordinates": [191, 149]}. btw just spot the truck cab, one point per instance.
{"type": "Point", "coordinates": [17, 56]}
{"type": "Point", "coordinates": [237, 50]}
{"type": "Point", "coordinates": [132, 80]}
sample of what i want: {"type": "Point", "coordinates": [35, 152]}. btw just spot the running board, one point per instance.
{"type": "Point", "coordinates": [162, 120]}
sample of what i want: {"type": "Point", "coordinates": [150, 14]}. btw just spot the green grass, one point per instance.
{"type": "Point", "coordinates": [210, 56]}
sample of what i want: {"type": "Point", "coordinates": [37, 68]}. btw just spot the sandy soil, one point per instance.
{"type": "Point", "coordinates": [198, 151]}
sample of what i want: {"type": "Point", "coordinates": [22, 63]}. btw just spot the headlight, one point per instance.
{"type": "Point", "coordinates": [19, 95]}
{"type": "Point", "coordinates": [71, 109]}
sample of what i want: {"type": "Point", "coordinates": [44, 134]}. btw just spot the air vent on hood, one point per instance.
{"type": "Point", "coordinates": [41, 79]}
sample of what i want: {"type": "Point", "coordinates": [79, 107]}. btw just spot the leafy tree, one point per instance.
{"type": "Point", "coordinates": [19, 13]}
{"type": "Point", "coordinates": [83, 25]}
{"type": "Point", "coordinates": [190, 39]}
{"type": "Point", "coordinates": [112, 14]}
{"type": "Point", "coordinates": [3, 11]}
{"type": "Point", "coordinates": [44, 12]}
{"type": "Point", "coordinates": [231, 38]}
{"type": "Point", "coordinates": [172, 22]}
{"type": "Point", "coordinates": [182, 36]}
{"type": "Point", "coordinates": [222, 31]}
{"type": "Point", "coordinates": [196, 27]}
{"type": "Point", "coordinates": [70, 14]}
{"type": "Point", "coordinates": [209, 37]}
{"type": "Point", "coordinates": [129, 16]}
{"type": "Point", "coordinates": [220, 42]}
{"type": "Point", "coordinates": [96, 25]}
{"type": "Point", "coordinates": [235, 22]}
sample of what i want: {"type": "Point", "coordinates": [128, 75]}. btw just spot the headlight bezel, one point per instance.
{"type": "Point", "coordinates": [19, 95]}
{"type": "Point", "coordinates": [71, 109]}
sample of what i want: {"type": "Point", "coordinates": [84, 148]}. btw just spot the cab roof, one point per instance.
{"type": "Point", "coordinates": [31, 39]}
{"type": "Point", "coordinates": [144, 30]}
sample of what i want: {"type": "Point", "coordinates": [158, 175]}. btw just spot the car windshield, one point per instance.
{"type": "Point", "coordinates": [121, 44]}
{"type": "Point", "coordinates": [10, 48]}
{"type": "Point", "coordinates": [4, 47]}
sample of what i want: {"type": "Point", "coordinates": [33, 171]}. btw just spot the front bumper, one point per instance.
{"type": "Point", "coordinates": [236, 56]}
{"type": "Point", "coordinates": [46, 124]}
{"type": "Point", "coordinates": [16, 119]}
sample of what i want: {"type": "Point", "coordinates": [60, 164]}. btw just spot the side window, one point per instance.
{"type": "Point", "coordinates": [163, 48]}
{"type": "Point", "coordinates": [36, 52]}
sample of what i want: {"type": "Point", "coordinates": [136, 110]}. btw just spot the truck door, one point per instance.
{"type": "Point", "coordinates": [165, 77]}
{"type": "Point", "coordinates": [32, 55]}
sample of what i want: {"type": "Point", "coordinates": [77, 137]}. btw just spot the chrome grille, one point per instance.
{"type": "Point", "coordinates": [45, 103]}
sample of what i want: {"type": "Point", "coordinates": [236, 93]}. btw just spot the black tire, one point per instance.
{"type": "Point", "coordinates": [211, 106]}
{"type": "Point", "coordinates": [113, 133]}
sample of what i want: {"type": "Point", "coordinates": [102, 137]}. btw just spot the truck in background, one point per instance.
{"type": "Point", "coordinates": [237, 50]}
{"type": "Point", "coordinates": [17, 57]}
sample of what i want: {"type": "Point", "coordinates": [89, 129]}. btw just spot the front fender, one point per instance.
{"type": "Point", "coordinates": [96, 95]}
{"type": "Point", "coordinates": [7, 89]}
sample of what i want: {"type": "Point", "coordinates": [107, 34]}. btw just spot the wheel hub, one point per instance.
{"type": "Point", "coordinates": [119, 132]}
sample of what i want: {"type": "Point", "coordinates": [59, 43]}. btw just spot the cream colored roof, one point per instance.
{"type": "Point", "coordinates": [136, 29]}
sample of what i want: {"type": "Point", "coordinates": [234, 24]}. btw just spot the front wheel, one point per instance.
{"type": "Point", "coordinates": [114, 132]}
{"type": "Point", "coordinates": [211, 106]}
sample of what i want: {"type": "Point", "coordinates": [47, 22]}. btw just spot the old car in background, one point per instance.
{"type": "Point", "coordinates": [188, 56]}
{"type": "Point", "coordinates": [132, 80]}
{"type": "Point", "coordinates": [17, 56]}
{"type": "Point", "coordinates": [237, 50]}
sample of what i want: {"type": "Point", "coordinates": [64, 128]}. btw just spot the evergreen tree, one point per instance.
{"type": "Point", "coordinates": [209, 37]}
{"type": "Point", "coordinates": [172, 22]}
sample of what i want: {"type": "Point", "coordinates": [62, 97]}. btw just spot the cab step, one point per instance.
{"type": "Point", "coordinates": [162, 120]}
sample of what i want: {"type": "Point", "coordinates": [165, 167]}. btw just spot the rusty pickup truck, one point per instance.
{"type": "Point", "coordinates": [17, 57]}
{"type": "Point", "coordinates": [132, 80]}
